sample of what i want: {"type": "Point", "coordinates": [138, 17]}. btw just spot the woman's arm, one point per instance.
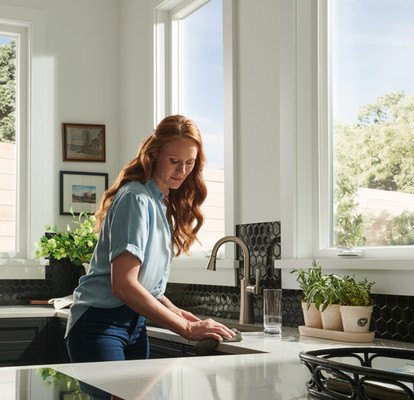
{"type": "Point", "coordinates": [126, 287]}
{"type": "Point", "coordinates": [182, 313]}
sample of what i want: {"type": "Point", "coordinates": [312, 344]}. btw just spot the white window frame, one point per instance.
{"type": "Point", "coordinates": [305, 226]}
{"type": "Point", "coordinates": [35, 97]}
{"type": "Point", "coordinates": [20, 34]}
{"type": "Point", "coordinates": [191, 269]}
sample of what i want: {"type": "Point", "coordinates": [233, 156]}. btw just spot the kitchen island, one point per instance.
{"type": "Point", "coordinates": [271, 369]}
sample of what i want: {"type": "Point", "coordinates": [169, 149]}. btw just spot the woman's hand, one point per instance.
{"type": "Point", "coordinates": [187, 315]}
{"type": "Point", "coordinates": [208, 329]}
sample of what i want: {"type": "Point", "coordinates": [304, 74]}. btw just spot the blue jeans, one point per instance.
{"type": "Point", "coordinates": [108, 334]}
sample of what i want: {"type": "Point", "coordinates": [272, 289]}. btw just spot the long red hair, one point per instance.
{"type": "Point", "coordinates": [184, 204]}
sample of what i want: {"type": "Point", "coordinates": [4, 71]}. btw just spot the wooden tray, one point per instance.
{"type": "Point", "coordinates": [340, 336]}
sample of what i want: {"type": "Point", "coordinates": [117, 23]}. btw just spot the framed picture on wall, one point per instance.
{"type": "Point", "coordinates": [83, 142]}
{"type": "Point", "coordinates": [81, 191]}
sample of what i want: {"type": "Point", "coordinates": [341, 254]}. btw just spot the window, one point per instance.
{"type": "Point", "coordinates": [354, 164]}
{"type": "Point", "coordinates": [13, 141]}
{"type": "Point", "coordinates": [372, 114]}
{"type": "Point", "coordinates": [190, 71]}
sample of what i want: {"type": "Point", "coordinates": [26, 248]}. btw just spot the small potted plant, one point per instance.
{"type": "Point", "coordinates": [321, 299]}
{"type": "Point", "coordinates": [329, 290]}
{"type": "Point", "coordinates": [76, 245]}
{"type": "Point", "coordinates": [356, 304]}
{"type": "Point", "coordinates": [308, 281]}
{"type": "Point", "coordinates": [69, 253]}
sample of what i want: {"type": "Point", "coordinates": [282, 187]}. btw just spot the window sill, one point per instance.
{"type": "Point", "coordinates": [21, 269]}
{"type": "Point", "coordinates": [390, 276]}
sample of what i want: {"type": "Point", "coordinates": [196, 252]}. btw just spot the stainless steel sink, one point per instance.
{"type": "Point", "coordinates": [230, 323]}
{"type": "Point", "coordinates": [234, 324]}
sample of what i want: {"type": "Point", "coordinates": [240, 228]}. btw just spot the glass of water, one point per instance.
{"type": "Point", "coordinates": [272, 311]}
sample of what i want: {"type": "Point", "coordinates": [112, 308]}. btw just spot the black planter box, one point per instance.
{"type": "Point", "coordinates": [62, 277]}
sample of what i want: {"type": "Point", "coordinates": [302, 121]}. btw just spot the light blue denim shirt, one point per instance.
{"type": "Point", "coordinates": [136, 222]}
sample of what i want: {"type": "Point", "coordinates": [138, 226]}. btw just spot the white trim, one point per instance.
{"type": "Point", "coordinates": [21, 269]}
{"type": "Point", "coordinates": [350, 264]}
{"type": "Point", "coordinates": [191, 270]}
{"type": "Point", "coordinates": [288, 137]}
{"type": "Point", "coordinates": [186, 7]}
{"type": "Point", "coordinates": [392, 270]}
{"type": "Point", "coordinates": [311, 195]}
{"type": "Point", "coordinates": [20, 33]}
{"type": "Point", "coordinates": [393, 278]}
{"type": "Point", "coordinates": [230, 115]}
{"type": "Point", "coordinates": [38, 131]}
{"type": "Point", "coordinates": [39, 128]}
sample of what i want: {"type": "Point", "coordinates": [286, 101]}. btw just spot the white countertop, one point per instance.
{"type": "Point", "coordinates": [275, 372]}
{"type": "Point", "coordinates": [47, 311]}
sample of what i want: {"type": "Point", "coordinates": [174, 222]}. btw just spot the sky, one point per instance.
{"type": "Point", "coordinates": [373, 52]}
{"type": "Point", "coordinates": [372, 55]}
{"type": "Point", "coordinates": [202, 77]}
{"type": "Point", "coordinates": [5, 40]}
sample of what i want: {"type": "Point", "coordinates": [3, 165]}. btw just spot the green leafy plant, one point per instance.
{"type": "Point", "coordinates": [355, 293]}
{"type": "Point", "coordinates": [323, 290]}
{"type": "Point", "coordinates": [77, 244]}
{"type": "Point", "coordinates": [308, 281]}
{"type": "Point", "coordinates": [50, 375]}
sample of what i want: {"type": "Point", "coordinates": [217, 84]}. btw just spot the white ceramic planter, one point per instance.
{"type": "Point", "coordinates": [311, 315]}
{"type": "Point", "coordinates": [356, 319]}
{"type": "Point", "coordinates": [331, 318]}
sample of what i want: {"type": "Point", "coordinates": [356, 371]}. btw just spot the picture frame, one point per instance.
{"type": "Point", "coordinates": [83, 142]}
{"type": "Point", "coordinates": [81, 191]}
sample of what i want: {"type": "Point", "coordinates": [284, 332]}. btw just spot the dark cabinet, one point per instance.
{"type": "Point", "coordinates": [23, 341]}
{"type": "Point", "coordinates": [161, 348]}
{"type": "Point", "coordinates": [165, 348]}
{"type": "Point", "coordinates": [57, 352]}
{"type": "Point", "coordinates": [29, 341]}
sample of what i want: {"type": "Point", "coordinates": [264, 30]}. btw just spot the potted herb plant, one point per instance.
{"type": "Point", "coordinates": [69, 253]}
{"type": "Point", "coordinates": [330, 291]}
{"type": "Point", "coordinates": [321, 298]}
{"type": "Point", "coordinates": [308, 280]}
{"type": "Point", "coordinates": [357, 304]}
{"type": "Point", "coordinates": [76, 245]}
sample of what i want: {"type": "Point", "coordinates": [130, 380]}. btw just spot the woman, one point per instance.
{"type": "Point", "coordinates": [153, 206]}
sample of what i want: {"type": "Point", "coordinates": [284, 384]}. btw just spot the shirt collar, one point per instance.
{"type": "Point", "coordinates": [154, 189]}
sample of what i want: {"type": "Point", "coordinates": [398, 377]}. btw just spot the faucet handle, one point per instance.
{"type": "Point", "coordinates": [255, 289]}
{"type": "Point", "coordinates": [257, 285]}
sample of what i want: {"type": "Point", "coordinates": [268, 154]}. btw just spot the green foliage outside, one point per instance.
{"type": "Point", "coordinates": [375, 153]}
{"type": "Point", "coordinates": [403, 230]}
{"type": "Point", "coordinates": [349, 224]}
{"type": "Point", "coordinates": [8, 92]}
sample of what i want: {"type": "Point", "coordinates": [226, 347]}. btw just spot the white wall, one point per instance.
{"type": "Point", "coordinates": [75, 78]}
{"type": "Point", "coordinates": [258, 111]}
{"type": "Point", "coordinates": [102, 54]}
{"type": "Point", "coordinates": [99, 69]}
{"type": "Point", "coordinates": [257, 83]}
{"type": "Point", "coordinates": [82, 42]}
{"type": "Point", "coordinates": [136, 78]}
